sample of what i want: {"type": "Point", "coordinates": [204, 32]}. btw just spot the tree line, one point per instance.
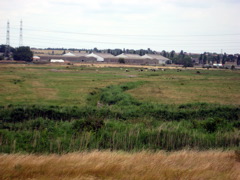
{"type": "Point", "coordinates": [22, 53]}
{"type": "Point", "coordinates": [188, 59]}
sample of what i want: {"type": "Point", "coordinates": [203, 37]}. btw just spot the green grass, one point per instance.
{"type": "Point", "coordinates": [59, 109]}
{"type": "Point", "coordinates": [173, 87]}
{"type": "Point", "coordinates": [52, 86]}
{"type": "Point", "coordinates": [59, 85]}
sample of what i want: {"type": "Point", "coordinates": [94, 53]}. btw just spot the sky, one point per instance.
{"type": "Point", "coordinates": [190, 25]}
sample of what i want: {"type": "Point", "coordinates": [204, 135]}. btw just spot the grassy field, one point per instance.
{"type": "Point", "coordinates": [184, 165]}
{"type": "Point", "coordinates": [69, 85]}
{"type": "Point", "coordinates": [53, 85]}
{"type": "Point", "coordinates": [96, 122]}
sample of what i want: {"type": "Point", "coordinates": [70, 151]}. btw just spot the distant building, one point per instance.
{"type": "Point", "coordinates": [137, 59]}
{"type": "Point", "coordinates": [128, 56]}
{"type": "Point", "coordinates": [36, 58]}
{"type": "Point", "coordinates": [57, 60]}
{"type": "Point", "coordinates": [217, 65]}
{"type": "Point", "coordinates": [100, 56]}
{"type": "Point", "coordinates": [94, 57]}
{"type": "Point", "coordinates": [69, 54]}
{"type": "Point", "coordinates": [161, 59]}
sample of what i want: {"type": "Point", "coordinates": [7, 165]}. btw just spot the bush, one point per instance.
{"type": "Point", "coordinates": [89, 124]}
{"type": "Point", "coordinates": [121, 60]}
{"type": "Point", "coordinates": [23, 54]}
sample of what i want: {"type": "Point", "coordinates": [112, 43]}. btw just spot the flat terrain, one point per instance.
{"type": "Point", "coordinates": [69, 85]}
{"type": "Point", "coordinates": [187, 165]}
{"type": "Point", "coordinates": [99, 121]}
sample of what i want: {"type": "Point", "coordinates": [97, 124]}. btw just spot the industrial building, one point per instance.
{"type": "Point", "coordinates": [151, 59]}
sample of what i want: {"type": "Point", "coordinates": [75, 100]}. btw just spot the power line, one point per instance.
{"type": "Point", "coordinates": [182, 43]}
{"type": "Point", "coordinates": [185, 43]}
{"type": "Point", "coordinates": [80, 40]}
{"type": "Point", "coordinates": [133, 35]}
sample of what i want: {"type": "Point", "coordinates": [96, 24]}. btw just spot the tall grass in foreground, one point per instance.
{"type": "Point", "coordinates": [118, 165]}
{"type": "Point", "coordinates": [47, 136]}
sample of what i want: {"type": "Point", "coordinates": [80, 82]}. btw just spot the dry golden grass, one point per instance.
{"type": "Point", "coordinates": [118, 165]}
{"type": "Point", "coordinates": [99, 65]}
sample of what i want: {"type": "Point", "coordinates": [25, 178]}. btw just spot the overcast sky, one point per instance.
{"type": "Point", "coordinates": [189, 25]}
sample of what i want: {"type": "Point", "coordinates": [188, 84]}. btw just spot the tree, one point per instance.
{"type": "Point", "coordinates": [204, 58]}
{"type": "Point", "coordinates": [95, 49]}
{"type": "Point", "coordinates": [172, 54]}
{"type": "Point", "coordinates": [238, 60]}
{"type": "Point", "coordinates": [218, 59]}
{"type": "Point", "coordinates": [181, 55]}
{"type": "Point", "coordinates": [200, 59]}
{"type": "Point", "coordinates": [23, 53]}
{"type": "Point", "coordinates": [121, 60]}
{"type": "Point", "coordinates": [2, 48]}
{"type": "Point", "coordinates": [141, 53]}
{"type": "Point", "coordinates": [164, 53]}
{"type": "Point", "coordinates": [187, 62]}
{"type": "Point", "coordinates": [224, 58]}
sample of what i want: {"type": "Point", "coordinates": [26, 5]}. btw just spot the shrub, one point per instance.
{"type": "Point", "coordinates": [121, 60]}
{"type": "Point", "coordinates": [89, 124]}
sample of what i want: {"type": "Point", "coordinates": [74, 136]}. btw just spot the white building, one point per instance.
{"type": "Point", "coordinates": [100, 56]}
{"type": "Point", "coordinates": [69, 54]}
{"type": "Point", "coordinates": [36, 58]}
{"type": "Point", "coordinates": [128, 56]}
{"type": "Point", "coordinates": [57, 60]}
{"type": "Point", "coordinates": [218, 65]}
{"type": "Point", "coordinates": [160, 58]}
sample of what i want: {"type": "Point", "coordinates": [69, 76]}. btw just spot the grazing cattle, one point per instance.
{"type": "Point", "coordinates": [127, 70]}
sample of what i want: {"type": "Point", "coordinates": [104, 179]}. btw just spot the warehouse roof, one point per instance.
{"type": "Point", "coordinates": [129, 56]}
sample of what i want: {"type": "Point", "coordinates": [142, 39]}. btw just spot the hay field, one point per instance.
{"type": "Point", "coordinates": [184, 165]}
